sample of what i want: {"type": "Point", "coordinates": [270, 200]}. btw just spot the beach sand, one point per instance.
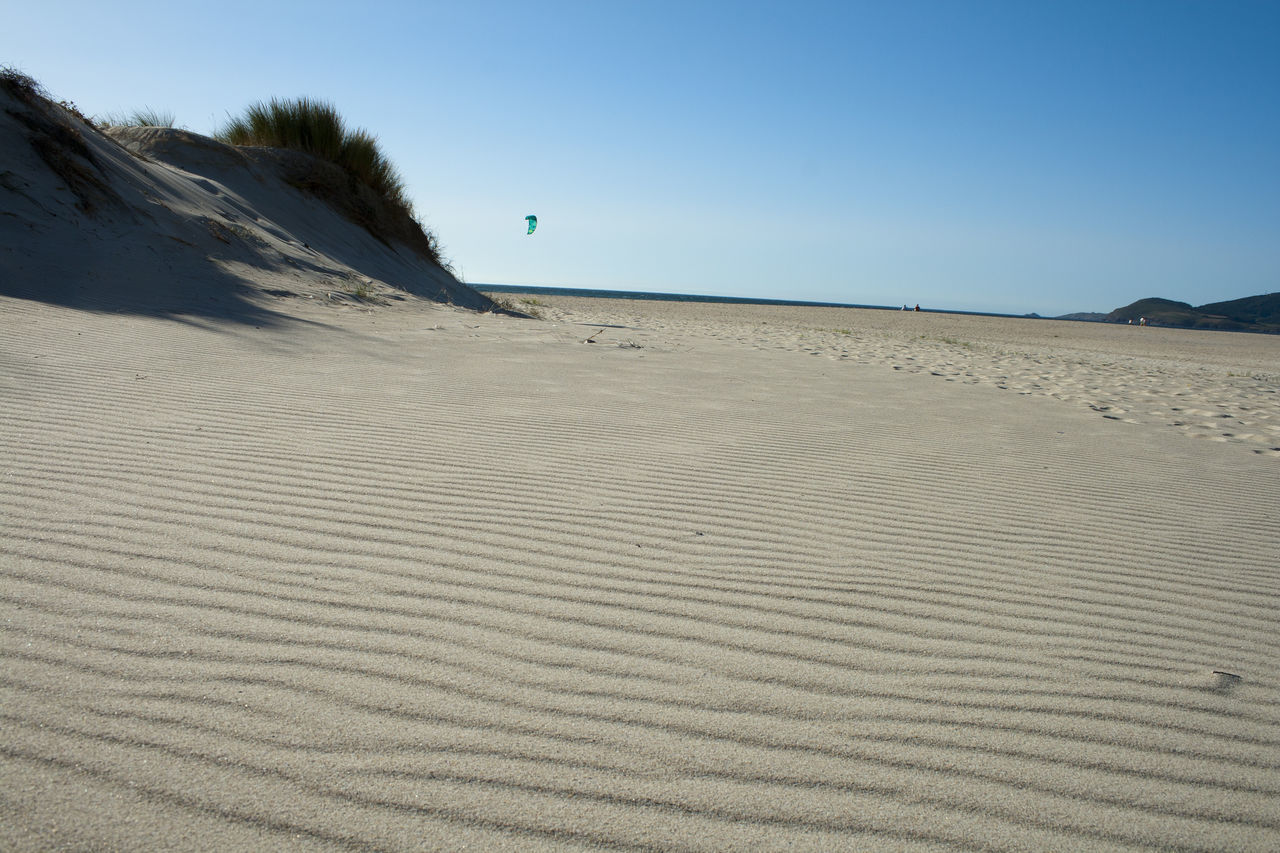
{"type": "Point", "coordinates": [731, 577]}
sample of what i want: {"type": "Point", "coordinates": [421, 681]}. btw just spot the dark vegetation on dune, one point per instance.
{"type": "Point", "coordinates": [359, 179]}
{"type": "Point", "coordinates": [145, 117]}
{"type": "Point", "coordinates": [54, 135]}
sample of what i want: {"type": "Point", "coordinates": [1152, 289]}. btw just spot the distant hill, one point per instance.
{"type": "Point", "coordinates": [1250, 314]}
{"type": "Point", "coordinates": [1251, 309]}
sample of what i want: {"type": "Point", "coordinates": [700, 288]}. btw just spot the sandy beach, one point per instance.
{"type": "Point", "coordinates": [403, 576]}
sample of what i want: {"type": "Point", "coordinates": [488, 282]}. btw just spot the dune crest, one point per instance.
{"type": "Point", "coordinates": [160, 220]}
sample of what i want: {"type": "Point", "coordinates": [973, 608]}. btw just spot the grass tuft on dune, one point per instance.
{"type": "Point", "coordinates": [145, 117]}
{"type": "Point", "coordinates": [375, 196]}
{"type": "Point", "coordinates": [313, 126]}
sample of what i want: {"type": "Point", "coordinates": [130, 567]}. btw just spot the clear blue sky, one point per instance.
{"type": "Point", "coordinates": [1010, 156]}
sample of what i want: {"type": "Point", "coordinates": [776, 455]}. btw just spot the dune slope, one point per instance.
{"type": "Point", "coordinates": [158, 220]}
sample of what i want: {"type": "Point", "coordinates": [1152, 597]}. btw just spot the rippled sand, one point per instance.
{"type": "Point", "coordinates": [729, 577]}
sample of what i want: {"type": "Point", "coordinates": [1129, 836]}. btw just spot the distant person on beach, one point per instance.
{"type": "Point", "coordinates": [917, 306]}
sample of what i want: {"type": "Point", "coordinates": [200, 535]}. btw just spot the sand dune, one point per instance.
{"type": "Point", "coordinates": [162, 221]}
{"type": "Point", "coordinates": [415, 577]}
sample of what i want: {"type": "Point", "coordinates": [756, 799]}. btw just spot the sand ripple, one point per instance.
{"type": "Point", "coordinates": [420, 579]}
{"type": "Point", "coordinates": [1213, 385]}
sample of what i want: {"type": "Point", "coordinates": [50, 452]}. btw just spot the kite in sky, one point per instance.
{"type": "Point", "coordinates": [533, 223]}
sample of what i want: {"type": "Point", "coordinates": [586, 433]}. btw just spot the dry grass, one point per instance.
{"type": "Point", "coordinates": [54, 133]}
{"type": "Point", "coordinates": [145, 117]}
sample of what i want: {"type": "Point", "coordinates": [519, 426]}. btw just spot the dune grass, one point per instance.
{"type": "Point", "coordinates": [314, 126]}
{"type": "Point", "coordinates": [145, 117]}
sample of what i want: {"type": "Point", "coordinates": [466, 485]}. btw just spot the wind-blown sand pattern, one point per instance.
{"type": "Point", "coordinates": [1224, 387]}
{"type": "Point", "coordinates": [414, 577]}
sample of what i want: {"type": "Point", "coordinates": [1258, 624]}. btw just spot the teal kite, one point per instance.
{"type": "Point", "coordinates": [533, 223]}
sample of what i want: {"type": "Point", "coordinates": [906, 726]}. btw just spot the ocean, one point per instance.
{"type": "Point", "coordinates": [694, 297]}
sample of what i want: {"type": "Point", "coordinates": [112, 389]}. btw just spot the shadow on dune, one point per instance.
{"type": "Point", "coordinates": [121, 279]}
